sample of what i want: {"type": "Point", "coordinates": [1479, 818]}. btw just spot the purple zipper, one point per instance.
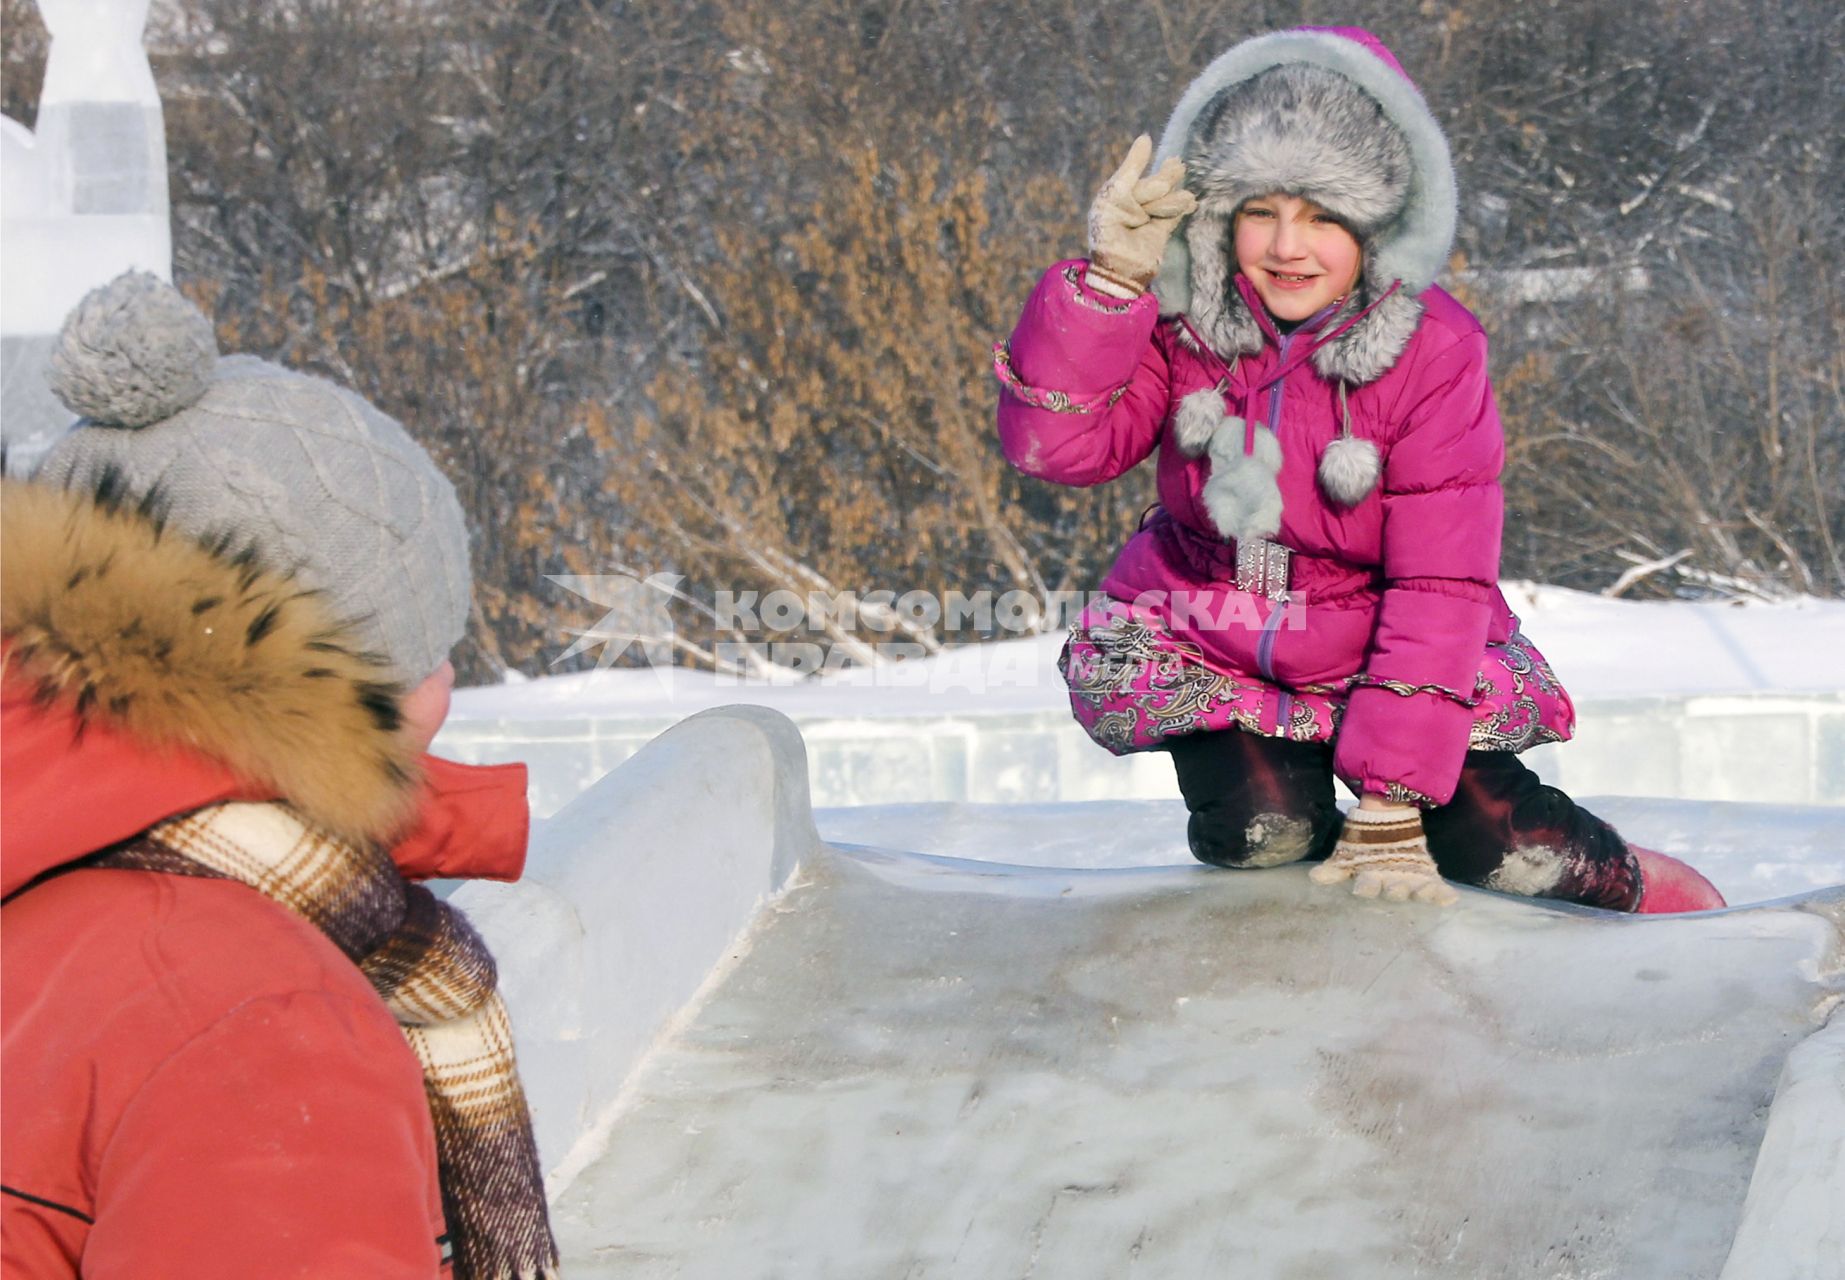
{"type": "Point", "coordinates": [1313, 326]}
{"type": "Point", "coordinates": [1274, 392]}
{"type": "Point", "coordinates": [1274, 403]}
{"type": "Point", "coordinates": [1265, 647]}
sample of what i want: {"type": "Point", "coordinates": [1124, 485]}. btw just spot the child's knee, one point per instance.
{"type": "Point", "coordinates": [1255, 801]}
{"type": "Point", "coordinates": [1529, 870]}
{"type": "Point", "coordinates": [1226, 839]}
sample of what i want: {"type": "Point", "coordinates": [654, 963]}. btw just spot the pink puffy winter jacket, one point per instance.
{"type": "Point", "coordinates": [1395, 596]}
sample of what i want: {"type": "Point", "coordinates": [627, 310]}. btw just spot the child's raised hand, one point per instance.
{"type": "Point", "coordinates": [1134, 214]}
{"type": "Point", "coordinates": [1384, 854]}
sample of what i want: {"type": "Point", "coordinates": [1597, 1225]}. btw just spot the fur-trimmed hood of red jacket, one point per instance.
{"type": "Point", "coordinates": [197, 1081]}
{"type": "Point", "coordinates": [146, 674]}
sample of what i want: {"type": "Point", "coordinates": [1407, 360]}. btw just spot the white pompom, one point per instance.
{"type": "Point", "coordinates": [1349, 470]}
{"type": "Point", "coordinates": [1264, 448]}
{"type": "Point", "coordinates": [1243, 494]}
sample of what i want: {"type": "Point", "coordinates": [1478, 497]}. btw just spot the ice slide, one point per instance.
{"type": "Point", "coordinates": [753, 1055]}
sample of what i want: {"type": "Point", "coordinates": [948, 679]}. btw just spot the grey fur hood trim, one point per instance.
{"type": "Point", "coordinates": [1339, 125]}
{"type": "Point", "coordinates": [1364, 353]}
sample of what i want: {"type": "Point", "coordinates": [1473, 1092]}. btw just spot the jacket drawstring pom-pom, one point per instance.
{"type": "Point", "coordinates": [1349, 468]}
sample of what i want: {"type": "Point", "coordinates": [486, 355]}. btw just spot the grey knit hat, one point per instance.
{"type": "Point", "coordinates": [319, 482]}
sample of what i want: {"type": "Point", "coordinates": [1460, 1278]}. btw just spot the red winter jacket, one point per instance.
{"type": "Point", "coordinates": [193, 1080]}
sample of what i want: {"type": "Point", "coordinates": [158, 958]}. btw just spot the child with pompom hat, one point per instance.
{"type": "Point", "coordinates": [239, 1040]}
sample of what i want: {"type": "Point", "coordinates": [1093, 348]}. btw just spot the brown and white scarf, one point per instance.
{"type": "Point", "coordinates": [437, 978]}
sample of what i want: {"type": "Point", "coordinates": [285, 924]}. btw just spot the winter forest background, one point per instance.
{"type": "Point", "coordinates": [710, 288]}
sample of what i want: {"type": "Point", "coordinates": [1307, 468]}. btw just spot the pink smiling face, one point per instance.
{"type": "Point", "coordinates": [1298, 256]}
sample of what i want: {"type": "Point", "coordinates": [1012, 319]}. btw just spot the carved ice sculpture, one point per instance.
{"type": "Point", "coordinates": [83, 198]}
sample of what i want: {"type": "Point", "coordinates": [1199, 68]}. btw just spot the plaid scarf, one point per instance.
{"type": "Point", "coordinates": [437, 978]}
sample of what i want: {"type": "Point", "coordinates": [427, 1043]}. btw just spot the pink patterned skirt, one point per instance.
{"type": "Point", "coordinates": [1132, 686]}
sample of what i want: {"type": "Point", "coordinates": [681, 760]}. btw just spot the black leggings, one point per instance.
{"type": "Point", "coordinates": [1260, 802]}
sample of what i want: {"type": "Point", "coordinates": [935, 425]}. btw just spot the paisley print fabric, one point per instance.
{"type": "Point", "coordinates": [1133, 686]}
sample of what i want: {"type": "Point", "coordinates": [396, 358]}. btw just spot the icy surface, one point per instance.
{"type": "Point", "coordinates": [910, 1066]}
{"type": "Point", "coordinates": [930, 1069]}
{"type": "Point", "coordinates": [1751, 852]}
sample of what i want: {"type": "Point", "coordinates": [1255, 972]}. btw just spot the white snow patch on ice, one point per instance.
{"type": "Point", "coordinates": [1531, 870]}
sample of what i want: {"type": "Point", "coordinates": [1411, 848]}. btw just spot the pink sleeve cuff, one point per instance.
{"type": "Point", "coordinates": [1072, 339]}
{"type": "Point", "coordinates": [1404, 748]}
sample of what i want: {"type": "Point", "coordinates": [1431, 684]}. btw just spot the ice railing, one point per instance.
{"type": "Point", "coordinates": [1760, 748]}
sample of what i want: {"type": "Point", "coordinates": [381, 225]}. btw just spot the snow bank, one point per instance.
{"type": "Point", "coordinates": [1793, 1224]}
{"type": "Point", "coordinates": [1601, 648]}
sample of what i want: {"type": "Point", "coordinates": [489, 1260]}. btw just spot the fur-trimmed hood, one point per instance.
{"type": "Point", "coordinates": [196, 647]}
{"type": "Point", "coordinates": [1340, 124]}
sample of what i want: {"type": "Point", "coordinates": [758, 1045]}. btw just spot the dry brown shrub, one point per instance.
{"type": "Point", "coordinates": [837, 435]}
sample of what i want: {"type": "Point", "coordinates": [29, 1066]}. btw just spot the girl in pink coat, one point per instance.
{"type": "Point", "coordinates": [1316, 592]}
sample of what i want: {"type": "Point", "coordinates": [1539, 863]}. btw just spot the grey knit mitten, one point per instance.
{"type": "Point", "coordinates": [1384, 854]}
